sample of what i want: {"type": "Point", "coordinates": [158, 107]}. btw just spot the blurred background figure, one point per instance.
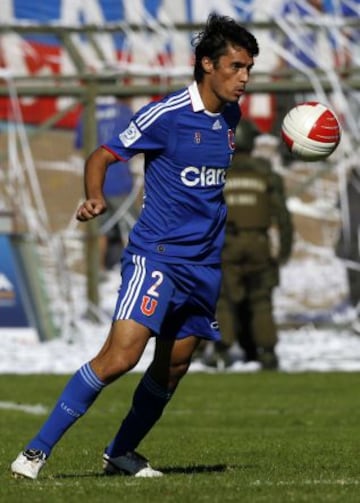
{"type": "Point", "coordinates": [112, 116]}
{"type": "Point", "coordinates": [257, 213]}
{"type": "Point", "coordinates": [348, 244]}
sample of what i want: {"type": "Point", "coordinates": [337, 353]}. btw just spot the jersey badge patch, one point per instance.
{"type": "Point", "coordinates": [130, 135]}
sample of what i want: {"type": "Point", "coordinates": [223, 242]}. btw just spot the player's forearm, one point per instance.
{"type": "Point", "coordinates": [95, 170]}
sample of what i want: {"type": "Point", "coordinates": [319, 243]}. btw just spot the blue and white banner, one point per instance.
{"type": "Point", "coordinates": [163, 47]}
{"type": "Point", "coordinates": [13, 311]}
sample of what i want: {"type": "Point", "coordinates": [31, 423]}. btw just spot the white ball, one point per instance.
{"type": "Point", "coordinates": [311, 131]}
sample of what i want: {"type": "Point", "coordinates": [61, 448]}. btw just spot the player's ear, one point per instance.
{"type": "Point", "coordinates": [207, 64]}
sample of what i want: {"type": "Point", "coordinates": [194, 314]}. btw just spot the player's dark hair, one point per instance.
{"type": "Point", "coordinates": [213, 41]}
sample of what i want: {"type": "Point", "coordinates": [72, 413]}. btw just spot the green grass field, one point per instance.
{"type": "Point", "coordinates": [247, 438]}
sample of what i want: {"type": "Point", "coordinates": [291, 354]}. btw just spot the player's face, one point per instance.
{"type": "Point", "coordinates": [226, 81]}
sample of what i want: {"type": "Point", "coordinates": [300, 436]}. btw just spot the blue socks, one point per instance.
{"type": "Point", "coordinates": [148, 404]}
{"type": "Point", "coordinates": [78, 395]}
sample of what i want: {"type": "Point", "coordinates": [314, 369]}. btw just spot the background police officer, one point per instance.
{"type": "Point", "coordinates": [256, 204]}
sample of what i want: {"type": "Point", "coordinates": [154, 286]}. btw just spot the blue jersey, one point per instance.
{"type": "Point", "coordinates": [187, 152]}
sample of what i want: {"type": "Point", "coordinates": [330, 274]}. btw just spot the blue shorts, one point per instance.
{"type": "Point", "coordinates": [172, 300]}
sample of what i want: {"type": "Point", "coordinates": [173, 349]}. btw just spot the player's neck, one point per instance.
{"type": "Point", "coordinates": [212, 102]}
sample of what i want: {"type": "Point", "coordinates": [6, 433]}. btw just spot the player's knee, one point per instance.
{"type": "Point", "coordinates": [177, 371]}
{"type": "Point", "coordinates": [109, 367]}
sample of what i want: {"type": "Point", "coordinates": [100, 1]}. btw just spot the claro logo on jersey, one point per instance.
{"type": "Point", "coordinates": [204, 176]}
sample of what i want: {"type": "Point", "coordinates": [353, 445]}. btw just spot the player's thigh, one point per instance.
{"type": "Point", "coordinates": [146, 291]}
{"type": "Point", "coordinates": [122, 349]}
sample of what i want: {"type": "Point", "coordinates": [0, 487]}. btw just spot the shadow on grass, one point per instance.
{"type": "Point", "coordinates": [194, 469]}
{"type": "Point", "coordinates": [186, 470]}
{"type": "Point", "coordinates": [219, 468]}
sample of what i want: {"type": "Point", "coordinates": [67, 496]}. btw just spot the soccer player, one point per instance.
{"type": "Point", "coordinates": [171, 267]}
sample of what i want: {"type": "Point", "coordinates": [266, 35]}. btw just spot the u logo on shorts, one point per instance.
{"type": "Point", "coordinates": [148, 305]}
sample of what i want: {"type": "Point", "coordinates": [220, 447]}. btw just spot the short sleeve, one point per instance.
{"type": "Point", "coordinates": [147, 131]}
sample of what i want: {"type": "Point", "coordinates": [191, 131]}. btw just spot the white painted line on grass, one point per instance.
{"type": "Point", "coordinates": [30, 409]}
{"type": "Point", "coordinates": [315, 482]}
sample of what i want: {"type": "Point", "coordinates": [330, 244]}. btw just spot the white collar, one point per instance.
{"type": "Point", "coordinates": [196, 101]}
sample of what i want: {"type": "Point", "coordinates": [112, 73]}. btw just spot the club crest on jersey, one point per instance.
{"type": "Point", "coordinates": [130, 135]}
{"type": "Point", "coordinates": [197, 137]}
{"type": "Point", "coordinates": [231, 139]}
{"type": "Point", "coordinates": [148, 305]}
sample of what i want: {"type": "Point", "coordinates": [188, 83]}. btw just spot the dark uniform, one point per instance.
{"type": "Point", "coordinates": [256, 201]}
{"type": "Point", "coordinates": [348, 246]}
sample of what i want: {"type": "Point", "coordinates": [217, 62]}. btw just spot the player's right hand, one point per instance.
{"type": "Point", "coordinates": [90, 209]}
